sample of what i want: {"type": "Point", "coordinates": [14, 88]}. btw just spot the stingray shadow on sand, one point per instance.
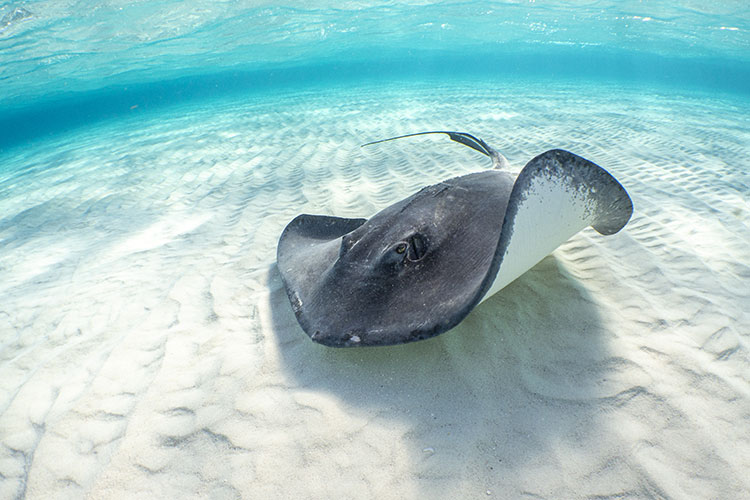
{"type": "Point", "coordinates": [493, 393]}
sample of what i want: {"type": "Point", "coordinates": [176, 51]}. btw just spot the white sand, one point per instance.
{"type": "Point", "coordinates": [148, 349]}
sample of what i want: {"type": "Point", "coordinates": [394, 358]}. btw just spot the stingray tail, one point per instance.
{"type": "Point", "coordinates": [475, 143]}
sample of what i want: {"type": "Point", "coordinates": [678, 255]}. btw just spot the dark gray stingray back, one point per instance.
{"type": "Point", "coordinates": [412, 271]}
{"type": "Point", "coordinates": [418, 267]}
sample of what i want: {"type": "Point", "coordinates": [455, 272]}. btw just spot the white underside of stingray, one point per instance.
{"type": "Point", "coordinates": [552, 211]}
{"type": "Point", "coordinates": [418, 267]}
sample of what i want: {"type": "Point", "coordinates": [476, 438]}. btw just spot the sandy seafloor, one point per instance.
{"type": "Point", "coordinates": [149, 350]}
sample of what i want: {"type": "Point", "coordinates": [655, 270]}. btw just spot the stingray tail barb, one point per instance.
{"type": "Point", "coordinates": [498, 160]}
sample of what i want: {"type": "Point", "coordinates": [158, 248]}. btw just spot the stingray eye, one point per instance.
{"type": "Point", "coordinates": [346, 244]}
{"type": "Point", "coordinates": [392, 260]}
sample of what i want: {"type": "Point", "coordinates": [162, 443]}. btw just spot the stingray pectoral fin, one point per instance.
{"type": "Point", "coordinates": [556, 195]}
{"type": "Point", "coordinates": [306, 246]}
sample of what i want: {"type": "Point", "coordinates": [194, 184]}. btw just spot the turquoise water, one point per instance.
{"type": "Point", "coordinates": [152, 152]}
{"type": "Point", "coordinates": [63, 65]}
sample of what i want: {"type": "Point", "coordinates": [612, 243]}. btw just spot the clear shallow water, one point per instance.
{"type": "Point", "coordinates": [153, 152]}
{"type": "Point", "coordinates": [66, 63]}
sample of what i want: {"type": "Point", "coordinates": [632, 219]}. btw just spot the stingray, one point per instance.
{"type": "Point", "coordinates": [418, 267]}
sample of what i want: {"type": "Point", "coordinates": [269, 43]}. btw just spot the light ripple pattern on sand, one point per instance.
{"type": "Point", "coordinates": [147, 347]}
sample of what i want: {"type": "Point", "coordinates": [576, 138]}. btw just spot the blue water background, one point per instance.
{"type": "Point", "coordinates": [68, 64]}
